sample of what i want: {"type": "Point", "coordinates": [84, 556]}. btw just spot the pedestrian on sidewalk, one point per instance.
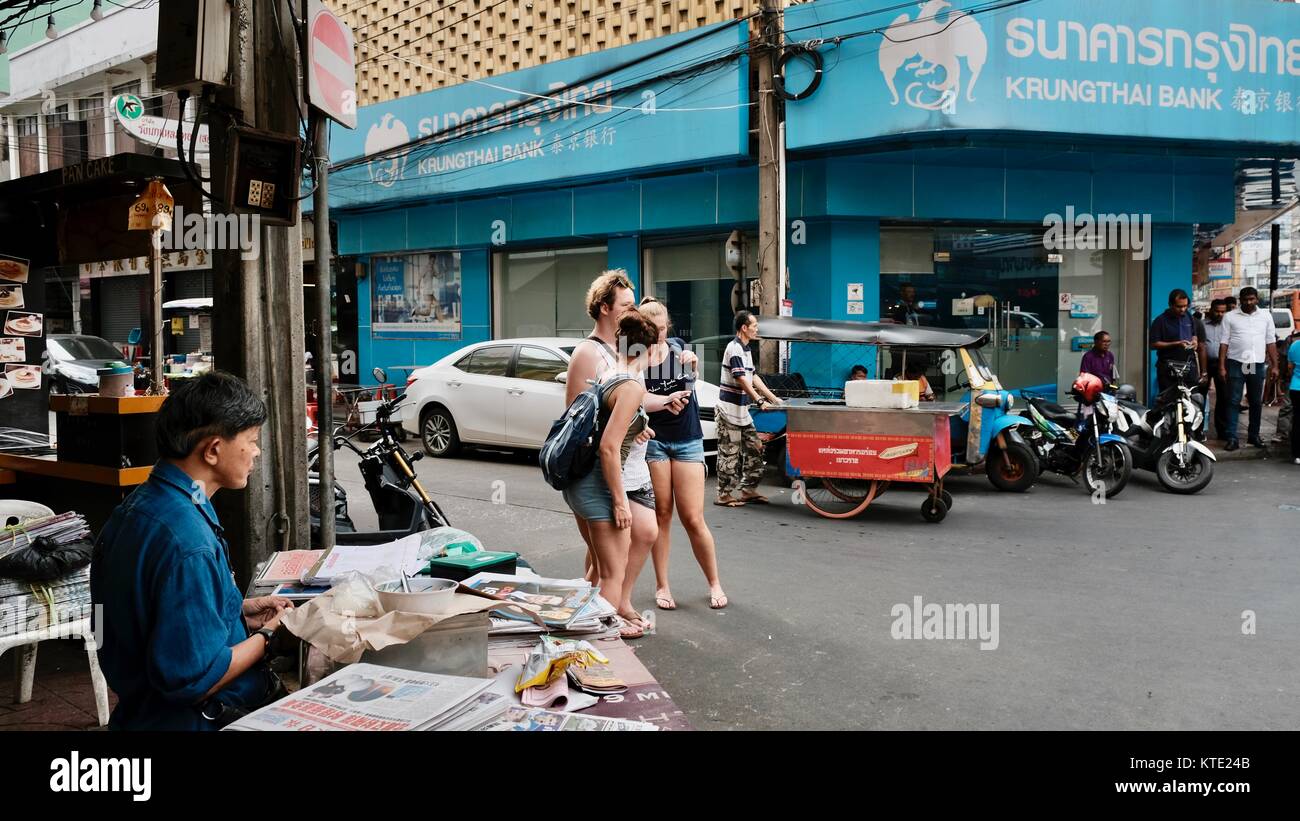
{"type": "Point", "coordinates": [1247, 350]}
{"type": "Point", "coordinates": [740, 451]}
{"type": "Point", "coordinates": [1213, 338]}
{"type": "Point", "coordinates": [676, 460]}
{"type": "Point", "coordinates": [1176, 336]}
{"type": "Point", "coordinates": [181, 646]}
{"type": "Point", "coordinates": [616, 499]}
{"type": "Point", "coordinates": [608, 298]}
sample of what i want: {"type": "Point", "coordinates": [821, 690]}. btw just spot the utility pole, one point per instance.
{"type": "Point", "coordinates": [325, 335]}
{"type": "Point", "coordinates": [770, 147]}
{"type": "Point", "coordinates": [258, 330]}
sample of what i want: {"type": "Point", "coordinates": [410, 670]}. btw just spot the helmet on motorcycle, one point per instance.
{"type": "Point", "coordinates": [1086, 388]}
{"type": "Point", "coordinates": [1127, 392]}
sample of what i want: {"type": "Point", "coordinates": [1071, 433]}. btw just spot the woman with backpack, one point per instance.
{"type": "Point", "coordinates": [676, 460]}
{"type": "Point", "coordinates": [616, 499]}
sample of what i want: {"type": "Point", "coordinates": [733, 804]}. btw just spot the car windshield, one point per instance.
{"type": "Point", "coordinates": [83, 347]}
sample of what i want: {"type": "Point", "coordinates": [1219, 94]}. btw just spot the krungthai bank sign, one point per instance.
{"type": "Point", "coordinates": [1168, 69]}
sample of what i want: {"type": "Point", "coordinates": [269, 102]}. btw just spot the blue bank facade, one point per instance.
{"type": "Point", "coordinates": [1040, 171]}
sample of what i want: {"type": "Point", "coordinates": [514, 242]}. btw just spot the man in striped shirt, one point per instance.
{"type": "Point", "coordinates": [740, 451]}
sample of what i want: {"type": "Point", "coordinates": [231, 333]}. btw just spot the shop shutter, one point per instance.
{"type": "Point", "coordinates": [190, 285]}
{"type": "Point", "coordinates": [119, 307]}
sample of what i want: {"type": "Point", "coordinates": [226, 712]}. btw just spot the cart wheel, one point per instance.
{"type": "Point", "coordinates": [834, 505]}
{"type": "Point", "coordinates": [947, 498]}
{"type": "Point", "coordinates": [933, 510]}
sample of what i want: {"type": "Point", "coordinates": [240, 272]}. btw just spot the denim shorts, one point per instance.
{"type": "Point", "coordinates": [589, 497]}
{"type": "Point", "coordinates": [691, 450]}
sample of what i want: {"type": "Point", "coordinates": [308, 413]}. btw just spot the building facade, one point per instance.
{"type": "Point", "coordinates": [933, 158]}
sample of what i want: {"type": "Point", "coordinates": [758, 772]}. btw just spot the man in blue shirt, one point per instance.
{"type": "Point", "coordinates": [176, 644]}
{"type": "Point", "coordinates": [1177, 336]}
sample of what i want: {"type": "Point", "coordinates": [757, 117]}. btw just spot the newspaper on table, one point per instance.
{"type": "Point", "coordinates": [372, 697]}
{"type": "Point", "coordinates": [25, 606]}
{"type": "Point", "coordinates": [409, 553]}
{"type": "Point", "coordinates": [526, 719]}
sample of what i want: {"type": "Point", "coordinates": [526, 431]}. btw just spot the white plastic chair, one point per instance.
{"type": "Point", "coordinates": [14, 511]}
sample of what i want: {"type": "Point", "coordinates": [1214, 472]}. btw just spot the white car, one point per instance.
{"type": "Point", "coordinates": [504, 393]}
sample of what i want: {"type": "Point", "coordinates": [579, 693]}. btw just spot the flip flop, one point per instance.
{"type": "Point", "coordinates": [660, 603]}
{"type": "Point", "coordinates": [713, 602]}
{"type": "Point", "coordinates": [756, 499]}
{"type": "Point", "coordinates": [728, 502]}
{"type": "Point", "coordinates": [628, 629]}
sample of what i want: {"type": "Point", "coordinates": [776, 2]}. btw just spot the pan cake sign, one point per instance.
{"type": "Point", "coordinates": [1160, 68]}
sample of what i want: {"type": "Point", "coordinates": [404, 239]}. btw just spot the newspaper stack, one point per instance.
{"type": "Point", "coordinates": [26, 606]}
{"type": "Point", "coordinates": [371, 697]}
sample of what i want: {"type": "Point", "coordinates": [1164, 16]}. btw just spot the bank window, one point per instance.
{"type": "Point", "coordinates": [544, 293]}
{"type": "Point", "coordinates": [493, 361]}
{"type": "Point", "coordinates": [539, 364]}
{"type": "Point", "coordinates": [416, 295]}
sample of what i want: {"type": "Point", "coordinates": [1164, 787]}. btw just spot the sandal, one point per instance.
{"type": "Point", "coordinates": [754, 499]}
{"type": "Point", "coordinates": [727, 501]}
{"type": "Point", "coordinates": [630, 628]}
{"type": "Point", "coordinates": [665, 602]}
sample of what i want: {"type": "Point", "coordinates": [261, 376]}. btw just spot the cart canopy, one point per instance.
{"type": "Point", "coordinates": [798, 329]}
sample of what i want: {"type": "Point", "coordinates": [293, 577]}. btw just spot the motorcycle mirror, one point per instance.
{"type": "Point", "coordinates": [562, 377]}
{"type": "Point", "coordinates": [380, 375]}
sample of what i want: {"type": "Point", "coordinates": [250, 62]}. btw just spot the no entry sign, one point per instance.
{"type": "Point", "coordinates": [331, 66]}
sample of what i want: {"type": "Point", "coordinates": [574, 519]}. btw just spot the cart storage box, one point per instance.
{"type": "Point", "coordinates": [882, 393]}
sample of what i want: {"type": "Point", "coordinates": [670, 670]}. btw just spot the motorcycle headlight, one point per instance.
{"type": "Point", "coordinates": [989, 400]}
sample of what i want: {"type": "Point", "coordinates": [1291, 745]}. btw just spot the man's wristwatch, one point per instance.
{"type": "Point", "coordinates": [267, 633]}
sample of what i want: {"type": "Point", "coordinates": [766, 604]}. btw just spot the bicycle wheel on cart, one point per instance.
{"type": "Point", "coordinates": [842, 498]}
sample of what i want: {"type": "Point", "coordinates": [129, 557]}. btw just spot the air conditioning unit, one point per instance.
{"type": "Point", "coordinates": [193, 44]}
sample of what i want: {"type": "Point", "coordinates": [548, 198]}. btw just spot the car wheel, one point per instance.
{"type": "Point", "coordinates": [438, 432]}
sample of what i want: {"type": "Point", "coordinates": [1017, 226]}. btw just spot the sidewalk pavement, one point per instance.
{"type": "Point", "coordinates": [62, 696]}
{"type": "Point", "coordinates": [1267, 431]}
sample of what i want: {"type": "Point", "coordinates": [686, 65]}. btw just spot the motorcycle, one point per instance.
{"type": "Point", "coordinates": [1080, 444]}
{"type": "Point", "coordinates": [401, 502]}
{"type": "Point", "coordinates": [1169, 438]}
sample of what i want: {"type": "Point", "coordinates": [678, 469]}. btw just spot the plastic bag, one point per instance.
{"type": "Point", "coordinates": [354, 593]}
{"type": "Point", "coordinates": [44, 560]}
{"type": "Point", "coordinates": [447, 541]}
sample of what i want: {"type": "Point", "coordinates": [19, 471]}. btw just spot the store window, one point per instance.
{"type": "Point", "coordinates": [416, 295]}
{"type": "Point", "coordinates": [544, 293]}
{"type": "Point", "coordinates": [693, 280]}
{"type": "Point", "coordinates": [29, 146]}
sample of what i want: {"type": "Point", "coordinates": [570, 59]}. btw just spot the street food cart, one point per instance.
{"type": "Point", "coordinates": [969, 428]}
{"type": "Point", "coordinates": [848, 456]}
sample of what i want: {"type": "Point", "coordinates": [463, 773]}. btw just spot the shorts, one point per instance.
{"type": "Point", "coordinates": [692, 450]}
{"type": "Point", "coordinates": [589, 497]}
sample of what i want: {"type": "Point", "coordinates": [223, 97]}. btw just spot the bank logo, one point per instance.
{"type": "Point", "coordinates": [389, 132]}
{"type": "Point", "coordinates": [930, 49]}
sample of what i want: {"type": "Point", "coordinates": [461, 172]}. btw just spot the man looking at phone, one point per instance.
{"type": "Point", "coordinates": [1177, 336]}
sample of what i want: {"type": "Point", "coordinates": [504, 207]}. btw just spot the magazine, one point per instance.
{"type": "Point", "coordinates": [288, 566]}
{"type": "Point", "coordinates": [525, 719]}
{"type": "Point", "coordinates": [370, 697]}
{"type": "Point", "coordinates": [558, 603]}
{"type": "Point", "coordinates": [300, 592]}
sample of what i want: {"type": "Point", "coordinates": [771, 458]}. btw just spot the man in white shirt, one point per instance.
{"type": "Point", "coordinates": [1214, 336]}
{"type": "Point", "coordinates": [1247, 349]}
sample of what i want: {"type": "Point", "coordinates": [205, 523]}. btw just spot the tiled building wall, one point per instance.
{"type": "Point", "coordinates": [407, 47]}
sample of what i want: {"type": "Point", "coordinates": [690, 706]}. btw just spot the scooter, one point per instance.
{"type": "Point", "coordinates": [403, 505]}
{"type": "Point", "coordinates": [1169, 438]}
{"type": "Point", "coordinates": [1079, 444]}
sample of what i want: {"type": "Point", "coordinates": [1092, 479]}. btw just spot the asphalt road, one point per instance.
{"type": "Point", "coordinates": [1123, 616]}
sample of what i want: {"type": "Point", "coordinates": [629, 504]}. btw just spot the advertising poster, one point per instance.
{"type": "Point", "coordinates": [416, 295]}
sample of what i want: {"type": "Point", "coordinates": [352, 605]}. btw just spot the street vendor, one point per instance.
{"type": "Point", "coordinates": [178, 643]}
